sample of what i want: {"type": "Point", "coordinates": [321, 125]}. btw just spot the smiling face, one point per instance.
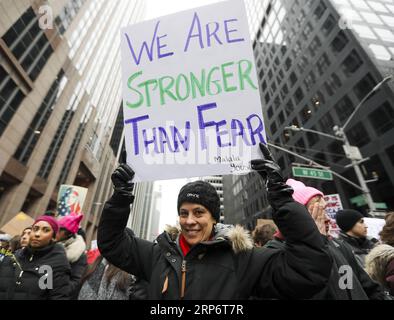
{"type": "Point", "coordinates": [41, 235]}
{"type": "Point", "coordinates": [196, 223]}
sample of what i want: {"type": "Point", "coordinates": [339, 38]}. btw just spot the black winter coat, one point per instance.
{"type": "Point", "coordinates": [227, 267]}
{"type": "Point", "coordinates": [20, 274]}
{"type": "Point", "coordinates": [363, 287]}
{"type": "Point", "coordinates": [75, 250]}
{"type": "Point", "coordinates": [360, 246]}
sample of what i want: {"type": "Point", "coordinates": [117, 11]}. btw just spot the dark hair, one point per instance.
{"type": "Point", "coordinates": [122, 282]}
{"type": "Point", "coordinates": [15, 243]}
{"type": "Point", "coordinates": [91, 268]}
{"type": "Point", "coordinates": [67, 233]}
{"type": "Point", "coordinates": [263, 233]}
{"type": "Point", "coordinates": [387, 233]}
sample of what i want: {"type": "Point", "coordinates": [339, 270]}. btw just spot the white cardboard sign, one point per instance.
{"type": "Point", "coordinates": [190, 94]}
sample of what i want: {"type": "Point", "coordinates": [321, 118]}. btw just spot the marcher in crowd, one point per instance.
{"type": "Point", "coordinates": [75, 249]}
{"type": "Point", "coordinates": [15, 243]}
{"type": "Point", "coordinates": [104, 281]}
{"type": "Point", "coordinates": [38, 272]}
{"type": "Point", "coordinates": [208, 260]}
{"type": "Point", "coordinates": [363, 287]}
{"type": "Point", "coordinates": [354, 232]}
{"type": "Point", "coordinates": [25, 237]}
{"type": "Point", "coordinates": [379, 263]}
{"type": "Point", "coordinates": [262, 234]}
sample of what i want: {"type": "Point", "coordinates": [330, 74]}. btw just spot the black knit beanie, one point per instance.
{"type": "Point", "coordinates": [346, 219]}
{"type": "Point", "coordinates": [202, 193]}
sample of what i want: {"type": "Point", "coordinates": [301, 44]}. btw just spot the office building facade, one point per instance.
{"type": "Point", "coordinates": [60, 94]}
{"type": "Point", "coordinates": [316, 61]}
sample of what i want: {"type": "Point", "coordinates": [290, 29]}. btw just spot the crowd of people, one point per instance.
{"type": "Point", "coordinates": [293, 257]}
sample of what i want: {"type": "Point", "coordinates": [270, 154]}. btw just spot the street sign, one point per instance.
{"type": "Point", "coordinates": [360, 201]}
{"type": "Point", "coordinates": [312, 173]}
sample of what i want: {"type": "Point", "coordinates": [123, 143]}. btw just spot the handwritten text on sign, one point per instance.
{"type": "Point", "coordinates": [190, 93]}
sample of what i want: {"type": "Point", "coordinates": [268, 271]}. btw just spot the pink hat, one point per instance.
{"type": "Point", "coordinates": [51, 221]}
{"type": "Point", "coordinates": [302, 194]}
{"type": "Point", "coordinates": [70, 223]}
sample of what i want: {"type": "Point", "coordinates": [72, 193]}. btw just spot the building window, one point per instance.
{"type": "Point", "coordinates": [314, 46]}
{"type": "Point", "coordinates": [328, 25]}
{"type": "Point", "coordinates": [319, 11]}
{"type": "Point", "coordinates": [307, 31]}
{"type": "Point", "coordinates": [358, 135]}
{"type": "Point", "coordinates": [336, 150]}
{"type": "Point", "coordinates": [298, 95]}
{"type": "Point", "coordinates": [289, 107]}
{"type": "Point", "coordinates": [344, 108]}
{"type": "Point", "coordinates": [364, 86]}
{"type": "Point", "coordinates": [293, 79]}
{"type": "Point", "coordinates": [288, 64]}
{"type": "Point", "coordinates": [310, 80]}
{"type": "Point", "coordinates": [270, 112]}
{"type": "Point", "coordinates": [352, 63]}
{"type": "Point", "coordinates": [313, 138]}
{"type": "Point", "coordinates": [339, 42]}
{"type": "Point", "coordinates": [273, 128]}
{"type": "Point", "coordinates": [390, 154]}
{"type": "Point", "coordinates": [281, 118]}
{"type": "Point", "coordinates": [285, 91]}
{"type": "Point", "coordinates": [382, 118]}
{"type": "Point", "coordinates": [36, 127]}
{"type": "Point", "coordinates": [11, 97]}
{"type": "Point", "coordinates": [29, 43]}
{"type": "Point", "coordinates": [326, 122]}
{"type": "Point", "coordinates": [322, 64]}
{"type": "Point", "coordinates": [333, 84]}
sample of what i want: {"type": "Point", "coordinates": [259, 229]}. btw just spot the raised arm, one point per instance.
{"type": "Point", "coordinates": [303, 267]}
{"type": "Point", "coordinates": [116, 243]}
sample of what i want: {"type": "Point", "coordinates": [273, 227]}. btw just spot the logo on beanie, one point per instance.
{"type": "Point", "coordinates": [193, 195]}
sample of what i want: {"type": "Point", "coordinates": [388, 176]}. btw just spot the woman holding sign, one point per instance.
{"type": "Point", "coordinates": [208, 260]}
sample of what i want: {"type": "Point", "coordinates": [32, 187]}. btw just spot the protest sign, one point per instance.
{"type": "Point", "coordinates": [190, 94]}
{"type": "Point", "coordinates": [334, 204]}
{"type": "Point", "coordinates": [70, 200]}
{"type": "Point", "coordinates": [375, 225]}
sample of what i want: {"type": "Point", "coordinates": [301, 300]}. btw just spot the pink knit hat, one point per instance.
{"type": "Point", "coordinates": [302, 194]}
{"type": "Point", "coordinates": [70, 223]}
{"type": "Point", "coordinates": [51, 221]}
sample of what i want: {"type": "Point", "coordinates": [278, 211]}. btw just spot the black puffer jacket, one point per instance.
{"type": "Point", "coordinates": [362, 287]}
{"type": "Point", "coordinates": [75, 250]}
{"type": "Point", "coordinates": [20, 274]}
{"type": "Point", "coordinates": [227, 267]}
{"type": "Point", "coordinates": [360, 246]}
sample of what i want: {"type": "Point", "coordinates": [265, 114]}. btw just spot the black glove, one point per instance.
{"type": "Point", "coordinates": [122, 179]}
{"type": "Point", "coordinates": [270, 171]}
{"type": "Point", "coordinates": [267, 168]}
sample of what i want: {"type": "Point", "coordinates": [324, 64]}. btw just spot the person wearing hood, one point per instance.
{"type": "Point", "coordinates": [363, 288]}
{"type": "Point", "coordinates": [40, 271]}
{"type": "Point", "coordinates": [75, 250]}
{"type": "Point", "coordinates": [354, 232]}
{"type": "Point", "coordinates": [209, 260]}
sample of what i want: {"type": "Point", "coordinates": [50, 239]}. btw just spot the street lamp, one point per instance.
{"type": "Point", "coordinates": [352, 152]}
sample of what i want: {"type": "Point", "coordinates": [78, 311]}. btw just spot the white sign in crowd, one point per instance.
{"type": "Point", "coordinates": [190, 94]}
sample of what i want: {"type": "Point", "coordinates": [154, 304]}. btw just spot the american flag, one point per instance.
{"type": "Point", "coordinates": [63, 208]}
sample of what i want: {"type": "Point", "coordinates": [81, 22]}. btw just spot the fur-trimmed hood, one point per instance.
{"type": "Point", "coordinates": [74, 247]}
{"type": "Point", "coordinates": [377, 261]}
{"type": "Point", "coordinates": [239, 238]}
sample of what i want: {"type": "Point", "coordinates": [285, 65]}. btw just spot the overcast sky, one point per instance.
{"type": "Point", "coordinates": [170, 188]}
